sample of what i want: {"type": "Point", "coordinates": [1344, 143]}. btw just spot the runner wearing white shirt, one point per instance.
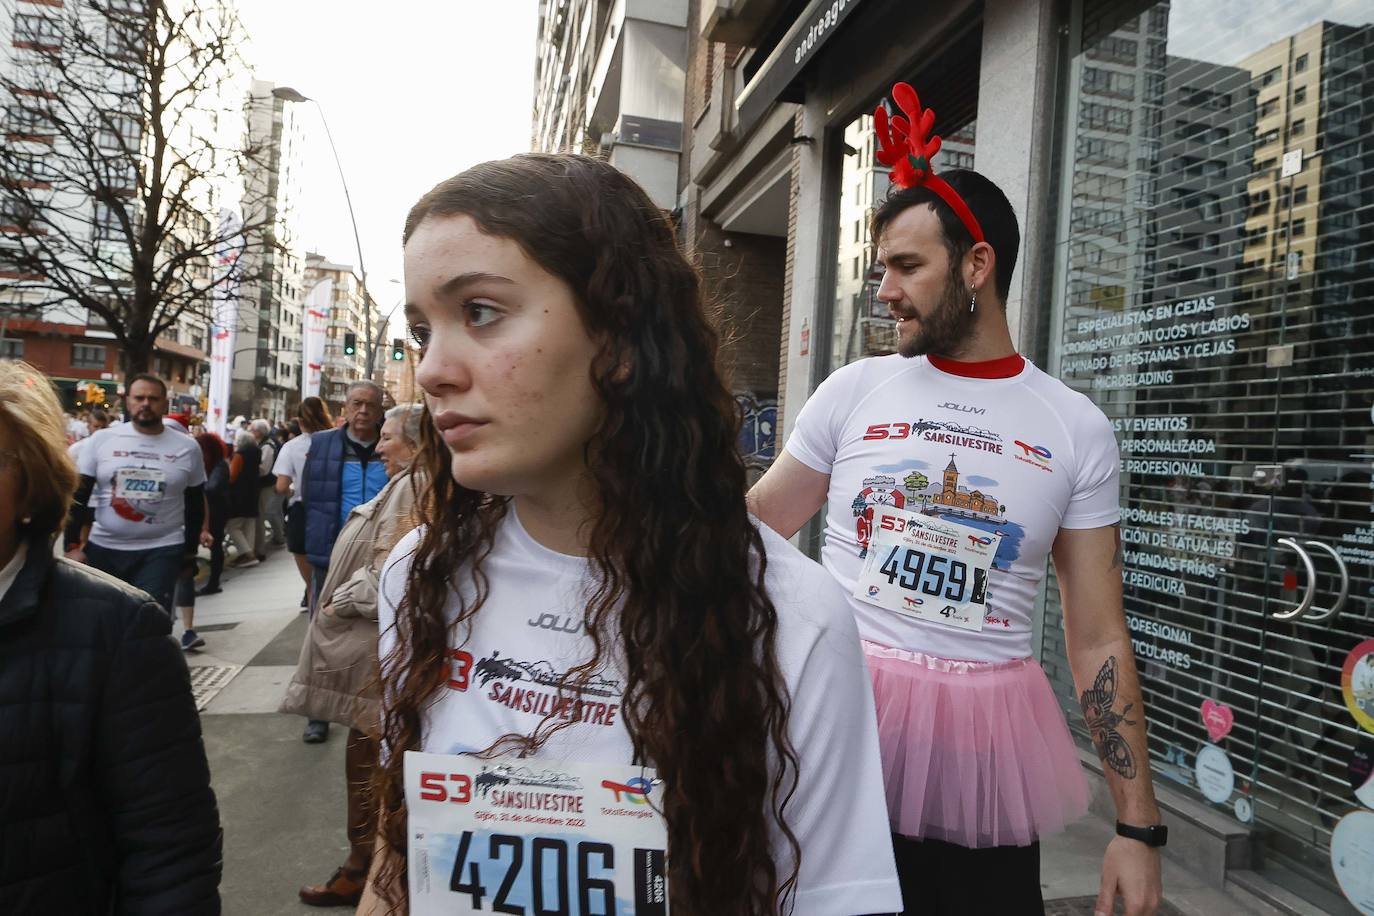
{"type": "Point", "coordinates": [949, 474]}
{"type": "Point", "coordinates": [140, 502]}
{"type": "Point", "coordinates": [589, 587]}
{"type": "Point", "coordinates": [99, 419]}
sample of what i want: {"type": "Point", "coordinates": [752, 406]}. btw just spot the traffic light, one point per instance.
{"type": "Point", "coordinates": [398, 349]}
{"type": "Point", "coordinates": [350, 343]}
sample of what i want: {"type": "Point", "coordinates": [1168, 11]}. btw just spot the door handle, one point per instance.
{"type": "Point", "coordinates": [1308, 593]}
{"type": "Point", "coordinates": [1319, 613]}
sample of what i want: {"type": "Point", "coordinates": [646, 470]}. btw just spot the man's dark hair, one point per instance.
{"type": "Point", "coordinates": [990, 207]}
{"type": "Point", "coordinates": [144, 377]}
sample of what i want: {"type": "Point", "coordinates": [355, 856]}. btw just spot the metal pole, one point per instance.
{"type": "Point", "coordinates": [362, 268]}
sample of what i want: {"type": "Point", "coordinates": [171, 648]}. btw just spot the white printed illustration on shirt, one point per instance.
{"type": "Point", "coordinates": [949, 498]}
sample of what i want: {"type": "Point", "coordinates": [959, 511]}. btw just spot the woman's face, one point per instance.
{"type": "Point", "coordinates": [506, 361]}
{"type": "Point", "coordinates": [395, 450]}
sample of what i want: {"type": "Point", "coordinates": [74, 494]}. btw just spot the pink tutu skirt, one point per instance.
{"type": "Point", "coordinates": [974, 753]}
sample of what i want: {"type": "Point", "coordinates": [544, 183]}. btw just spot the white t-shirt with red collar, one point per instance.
{"type": "Point", "coordinates": [504, 679]}
{"type": "Point", "coordinates": [1019, 456]}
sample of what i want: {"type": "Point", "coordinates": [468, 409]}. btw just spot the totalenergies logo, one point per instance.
{"type": "Point", "coordinates": [976, 541]}
{"type": "Point", "coordinates": [1035, 451]}
{"type": "Point", "coordinates": [635, 791]}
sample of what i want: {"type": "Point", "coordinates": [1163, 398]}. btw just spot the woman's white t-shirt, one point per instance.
{"type": "Point", "coordinates": [504, 680]}
{"type": "Point", "coordinates": [291, 463]}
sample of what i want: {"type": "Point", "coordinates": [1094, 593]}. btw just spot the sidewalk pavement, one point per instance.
{"type": "Point", "coordinates": [281, 801]}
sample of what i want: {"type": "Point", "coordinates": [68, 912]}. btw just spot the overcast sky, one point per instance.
{"type": "Point", "coordinates": [1226, 33]}
{"type": "Point", "coordinates": [414, 92]}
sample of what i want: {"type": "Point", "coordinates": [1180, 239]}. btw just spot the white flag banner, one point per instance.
{"type": "Point", "coordinates": [226, 317]}
{"type": "Point", "coordinates": [317, 306]}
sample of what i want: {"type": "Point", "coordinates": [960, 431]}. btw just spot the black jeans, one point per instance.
{"type": "Point", "coordinates": [942, 879]}
{"type": "Point", "coordinates": [154, 570]}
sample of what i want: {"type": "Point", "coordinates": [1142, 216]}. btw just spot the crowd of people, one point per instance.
{"type": "Point", "coordinates": [824, 742]}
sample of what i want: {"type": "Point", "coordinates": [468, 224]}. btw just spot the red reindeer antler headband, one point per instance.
{"type": "Point", "coordinates": [906, 150]}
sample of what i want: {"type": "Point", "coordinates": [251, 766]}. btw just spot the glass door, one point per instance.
{"type": "Point", "coordinates": [1215, 298]}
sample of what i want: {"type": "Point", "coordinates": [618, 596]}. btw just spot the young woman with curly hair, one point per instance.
{"type": "Point", "coordinates": [587, 518]}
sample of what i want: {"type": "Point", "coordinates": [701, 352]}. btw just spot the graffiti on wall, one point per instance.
{"type": "Point", "coordinates": [758, 433]}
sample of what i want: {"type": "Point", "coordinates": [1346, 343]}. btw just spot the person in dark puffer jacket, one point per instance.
{"type": "Point", "coordinates": [105, 798]}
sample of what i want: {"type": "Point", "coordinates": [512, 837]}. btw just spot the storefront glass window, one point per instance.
{"type": "Point", "coordinates": [1214, 295]}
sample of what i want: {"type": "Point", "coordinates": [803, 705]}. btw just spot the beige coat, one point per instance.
{"type": "Point", "coordinates": [338, 663]}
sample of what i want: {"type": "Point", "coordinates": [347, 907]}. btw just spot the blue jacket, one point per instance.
{"type": "Point", "coordinates": [333, 488]}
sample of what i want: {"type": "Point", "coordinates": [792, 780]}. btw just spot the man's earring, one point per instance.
{"type": "Point", "coordinates": [973, 300]}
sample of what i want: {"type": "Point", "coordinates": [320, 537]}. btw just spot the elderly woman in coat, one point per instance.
{"type": "Point", "coordinates": [105, 798]}
{"type": "Point", "coordinates": [338, 664]}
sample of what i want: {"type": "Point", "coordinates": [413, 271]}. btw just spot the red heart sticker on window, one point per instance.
{"type": "Point", "coordinates": [1218, 719]}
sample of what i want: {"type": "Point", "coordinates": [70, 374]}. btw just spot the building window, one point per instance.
{"type": "Point", "coordinates": [856, 269]}
{"type": "Point", "coordinates": [119, 132]}
{"type": "Point", "coordinates": [105, 224]}
{"type": "Point", "coordinates": [1098, 81]}
{"type": "Point", "coordinates": [23, 121]}
{"type": "Point", "coordinates": [125, 40]}
{"type": "Point", "coordinates": [1270, 77]}
{"type": "Point", "coordinates": [1299, 128]}
{"type": "Point", "coordinates": [1100, 116]}
{"type": "Point", "coordinates": [12, 348]}
{"type": "Point", "coordinates": [1114, 49]}
{"type": "Point", "coordinates": [15, 212]}
{"type": "Point", "coordinates": [1103, 151]}
{"type": "Point", "coordinates": [1300, 95]}
{"type": "Point", "coordinates": [1300, 64]}
{"type": "Point", "coordinates": [88, 356]}
{"type": "Point", "coordinates": [37, 31]}
{"type": "Point", "coordinates": [31, 169]}
{"type": "Point", "coordinates": [1268, 107]}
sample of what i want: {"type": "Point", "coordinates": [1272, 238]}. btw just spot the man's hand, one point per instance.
{"type": "Point", "coordinates": [77, 554]}
{"type": "Point", "coordinates": [327, 610]}
{"type": "Point", "coordinates": [207, 539]}
{"type": "Point", "coordinates": [1130, 870]}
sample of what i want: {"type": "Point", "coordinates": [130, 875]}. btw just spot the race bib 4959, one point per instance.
{"type": "Point", "coordinates": [535, 837]}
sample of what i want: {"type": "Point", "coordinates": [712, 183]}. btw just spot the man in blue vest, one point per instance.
{"type": "Point", "coordinates": [342, 471]}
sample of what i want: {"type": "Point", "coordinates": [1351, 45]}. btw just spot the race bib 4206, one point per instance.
{"type": "Point", "coordinates": [535, 837]}
{"type": "Point", "coordinates": [926, 567]}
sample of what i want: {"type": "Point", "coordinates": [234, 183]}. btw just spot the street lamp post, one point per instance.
{"type": "Point", "coordinates": [287, 94]}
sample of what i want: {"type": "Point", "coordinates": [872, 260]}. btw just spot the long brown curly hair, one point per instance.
{"type": "Point", "coordinates": [680, 598]}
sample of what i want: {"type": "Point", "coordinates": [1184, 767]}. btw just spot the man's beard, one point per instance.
{"type": "Point", "coordinates": [142, 423]}
{"type": "Point", "coordinates": [948, 329]}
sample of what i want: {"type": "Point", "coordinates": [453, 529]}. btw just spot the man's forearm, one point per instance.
{"type": "Point", "coordinates": [1109, 695]}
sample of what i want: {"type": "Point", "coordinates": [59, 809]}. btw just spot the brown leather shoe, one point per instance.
{"type": "Point", "coordinates": [344, 888]}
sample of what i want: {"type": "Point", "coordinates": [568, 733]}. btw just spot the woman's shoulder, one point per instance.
{"type": "Point", "coordinates": [800, 588]}
{"type": "Point", "coordinates": [93, 600]}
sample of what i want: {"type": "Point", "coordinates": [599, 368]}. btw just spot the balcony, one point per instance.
{"type": "Point", "coordinates": [738, 22]}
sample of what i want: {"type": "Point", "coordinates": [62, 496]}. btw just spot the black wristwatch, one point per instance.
{"type": "Point", "coordinates": [1154, 836]}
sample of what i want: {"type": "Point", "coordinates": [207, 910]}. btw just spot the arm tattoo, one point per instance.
{"type": "Point", "coordinates": [1118, 558]}
{"type": "Point", "coordinates": [1097, 702]}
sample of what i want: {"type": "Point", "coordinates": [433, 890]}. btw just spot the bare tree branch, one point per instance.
{"type": "Point", "coordinates": [116, 156]}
